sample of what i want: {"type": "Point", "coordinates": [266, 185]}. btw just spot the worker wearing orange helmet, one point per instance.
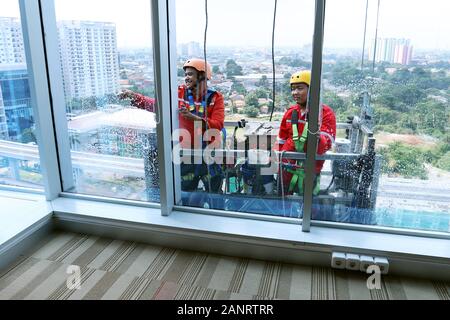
{"type": "Point", "coordinates": [294, 132]}
{"type": "Point", "coordinates": [200, 108]}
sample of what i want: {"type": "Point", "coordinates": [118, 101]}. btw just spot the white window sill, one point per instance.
{"type": "Point", "coordinates": [256, 231]}
{"type": "Point", "coordinates": [20, 211]}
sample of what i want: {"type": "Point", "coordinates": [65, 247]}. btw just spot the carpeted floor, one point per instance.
{"type": "Point", "coordinates": [113, 269]}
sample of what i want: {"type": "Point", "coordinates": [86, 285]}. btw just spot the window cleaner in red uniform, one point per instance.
{"type": "Point", "coordinates": [294, 132]}
{"type": "Point", "coordinates": [198, 104]}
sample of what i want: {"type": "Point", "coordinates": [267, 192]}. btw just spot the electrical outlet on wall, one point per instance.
{"type": "Point", "coordinates": [352, 261]}
{"type": "Point", "coordinates": [382, 263]}
{"type": "Point", "coordinates": [338, 260]}
{"type": "Point", "coordinates": [365, 262]}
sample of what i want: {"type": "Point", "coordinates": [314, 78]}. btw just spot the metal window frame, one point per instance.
{"type": "Point", "coordinates": [314, 111]}
{"type": "Point", "coordinates": [57, 92]}
{"type": "Point", "coordinates": [50, 46]}
{"type": "Point", "coordinates": [163, 33]}
{"type": "Point", "coordinates": [33, 37]}
{"type": "Point", "coordinates": [42, 84]}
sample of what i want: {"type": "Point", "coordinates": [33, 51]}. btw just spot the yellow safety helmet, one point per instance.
{"type": "Point", "coordinates": [301, 77]}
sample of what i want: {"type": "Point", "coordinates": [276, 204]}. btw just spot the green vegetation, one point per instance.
{"type": "Point", "coordinates": [233, 69]}
{"type": "Point", "coordinates": [413, 100]}
{"type": "Point", "coordinates": [251, 112]}
{"type": "Point", "coordinates": [31, 177]}
{"type": "Point", "coordinates": [444, 162]}
{"type": "Point", "coordinates": [403, 160]}
{"type": "Point", "coordinates": [28, 135]}
{"type": "Point", "coordinates": [238, 87]}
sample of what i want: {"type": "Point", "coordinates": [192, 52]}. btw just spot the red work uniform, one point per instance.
{"type": "Point", "coordinates": [286, 143]}
{"type": "Point", "coordinates": [142, 102]}
{"type": "Point", "coordinates": [214, 117]}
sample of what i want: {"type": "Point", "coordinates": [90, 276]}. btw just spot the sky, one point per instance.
{"type": "Point", "coordinates": [249, 22]}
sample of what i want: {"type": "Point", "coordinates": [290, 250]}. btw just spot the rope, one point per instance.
{"type": "Point", "coordinates": [273, 58]}
{"type": "Point", "coordinates": [206, 82]}
{"type": "Point", "coordinates": [280, 156]}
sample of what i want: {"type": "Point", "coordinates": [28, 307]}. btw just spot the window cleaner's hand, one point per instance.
{"type": "Point", "coordinates": [184, 112]}
{"type": "Point", "coordinates": [126, 94]}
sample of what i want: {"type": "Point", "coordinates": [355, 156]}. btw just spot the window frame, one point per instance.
{"type": "Point", "coordinates": [40, 96]}
{"type": "Point", "coordinates": [51, 125]}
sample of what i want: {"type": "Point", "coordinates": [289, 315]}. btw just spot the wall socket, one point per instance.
{"type": "Point", "coordinates": [352, 261]}
{"type": "Point", "coordinates": [383, 263]}
{"type": "Point", "coordinates": [338, 260]}
{"type": "Point", "coordinates": [365, 262]}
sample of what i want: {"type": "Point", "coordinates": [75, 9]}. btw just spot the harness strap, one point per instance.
{"type": "Point", "coordinates": [298, 174]}
{"type": "Point", "coordinates": [200, 109]}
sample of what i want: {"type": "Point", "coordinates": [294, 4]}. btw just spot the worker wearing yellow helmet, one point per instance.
{"type": "Point", "coordinates": [293, 134]}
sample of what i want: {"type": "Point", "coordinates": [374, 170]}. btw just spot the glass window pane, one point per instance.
{"type": "Point", "coordinates": [389, 88]}
{"type": "Point", "coordinates": [19, 156]}
{"type": "Point", "coordinates": [105, 50]}
{"type": "Point", "coordinates": [239, 104]}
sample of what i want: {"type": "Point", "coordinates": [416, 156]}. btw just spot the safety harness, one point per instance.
{"type": "Point", "coordinates": [297, 170]}
{"type": "Point", "coordinates": [200, 111]}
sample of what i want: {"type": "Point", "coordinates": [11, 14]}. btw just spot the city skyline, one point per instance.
{"type": "Point", "coordinates": [249, 23]}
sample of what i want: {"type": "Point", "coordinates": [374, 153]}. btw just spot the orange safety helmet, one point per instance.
{"type": "Point", "coordinates": [199, 65]}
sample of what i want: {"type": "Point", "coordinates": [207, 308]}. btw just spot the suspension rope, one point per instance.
{"type": "Point", "coordinates": [376, 38]}
{"type": "Point", "coordinates": [273, 58]}
{"type": "Point", "coordinates": [206, 87]}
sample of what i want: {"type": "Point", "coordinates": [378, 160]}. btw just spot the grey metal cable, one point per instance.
{"type": "Point", "coordinates": [273, 58]}
{"type": "Point", "coordinates": [206, 87]}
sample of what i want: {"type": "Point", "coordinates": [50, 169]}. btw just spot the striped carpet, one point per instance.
{"type": "Point", "coordinates": [113, 269]}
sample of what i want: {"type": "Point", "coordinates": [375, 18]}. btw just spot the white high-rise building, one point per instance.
{"type": "Point", "coordinates": [89, 58]}
{"type": "Point", "coordinates": [392, 50]}
{"type": "Point", "coordinates": [3, 124]}
{"type": "Point", "coordinates": [11, 53]}
{"type": "Point", "coordinates": [11, 41]}
{"type": "Point", "coordinates": [194, 50]}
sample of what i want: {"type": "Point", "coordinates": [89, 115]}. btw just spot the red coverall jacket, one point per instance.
{"type": "Point", "coordinates": [142, 102]}
{"type": "Point", "coordinates": [215, 115]}
{"type": "Point", "coordinates": [285, 142]}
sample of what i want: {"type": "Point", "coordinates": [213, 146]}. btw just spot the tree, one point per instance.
{"type": "Point", "coordinates": [434, 117]}
{"type": "Point", "coordinates": [334, 101]}
{"type": "Point", "coordinates": [238, 87]}
{"type": "Point", "coordinates": [261, 93]}
{"type": "Point", "coordinates": [216, 70]}
{"type": "Point", "coordinates": [251, 100]}
{"type": "Point", "coordinates": [251, 112]}
{"type": "Point", "coordinates": [385, 116]}
{"type": "Point", "coordinates": [233, 69]}
{"type": "Point", "coordinates": [444, 162]}
{"type": "Point", "coordinates": [348, 76]}
{"type": "Point", "coordinates": [403, 160]}
{"type": "Point", "coordinates": [401, 76]}
{"type": "Point", "coordinates": [28, 136]}
{"type": "Point", "coordinates": [295, 62]}
{"type": "Point", "coordinates": [263, 82]}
